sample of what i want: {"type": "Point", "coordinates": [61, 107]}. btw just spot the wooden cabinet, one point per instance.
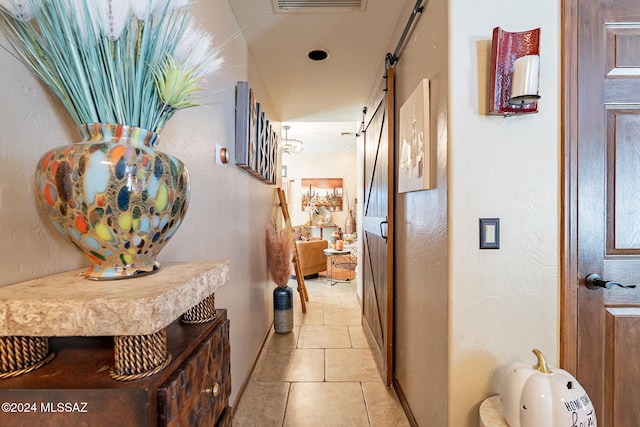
{"type": "Point", "coordinates": [198, 392]}
{"type": "Point", "coordinates": [75, 388]}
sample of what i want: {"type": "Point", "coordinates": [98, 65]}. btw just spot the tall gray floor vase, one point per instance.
{"type": "Point", "coordinates": [283, 310]}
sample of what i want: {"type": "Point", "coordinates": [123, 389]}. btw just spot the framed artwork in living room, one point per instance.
{"type": "Point", "coordinates": [322, 192]}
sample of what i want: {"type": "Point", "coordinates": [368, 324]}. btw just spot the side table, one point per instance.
{"type": "Point", "coordinates": [331, 254]}
{"type": "Point", "coordinates": [151, 350]}
{"type": "Point", "coordinates": [321, 228]}
{"type": "Point", "coordinates": [134, 311]}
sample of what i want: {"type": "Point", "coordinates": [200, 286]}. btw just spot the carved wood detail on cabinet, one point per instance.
{"type": "Point", "coordinates": [198, 393]}
{"type": "Point", "coordinates": [75, 388]}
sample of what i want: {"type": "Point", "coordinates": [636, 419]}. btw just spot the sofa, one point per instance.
{"type": "Point", "coordinates": [311, 256]}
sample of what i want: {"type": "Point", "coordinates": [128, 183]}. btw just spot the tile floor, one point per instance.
{"type": "Point", "coordinates": [322, 373]}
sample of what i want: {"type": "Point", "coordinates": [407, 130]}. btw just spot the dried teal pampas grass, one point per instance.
{"type": "Point", "coordinates": [279, 245]}
{"type": "Point", "coordinates": [132, 62]}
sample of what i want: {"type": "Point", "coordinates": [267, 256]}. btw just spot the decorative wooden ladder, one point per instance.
{"type": "Point", "coordinates": [302, 288]}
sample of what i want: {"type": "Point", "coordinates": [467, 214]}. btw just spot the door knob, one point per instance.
{"type": "Point", "coordinates": [594, 281]}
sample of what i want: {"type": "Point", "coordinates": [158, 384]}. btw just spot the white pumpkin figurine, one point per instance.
{"type": "Point", "coordinates": [539, 397]}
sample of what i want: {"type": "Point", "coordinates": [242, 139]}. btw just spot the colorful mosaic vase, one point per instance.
{"type": "Point", "coordinates": [115, 197]}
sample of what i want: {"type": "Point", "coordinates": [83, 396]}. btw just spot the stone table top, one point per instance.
{"type": "Point", "coordinates": [67, 304]}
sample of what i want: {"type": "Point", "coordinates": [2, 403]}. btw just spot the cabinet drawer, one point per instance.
{"type": "Point", "coordinates": [187, 397]}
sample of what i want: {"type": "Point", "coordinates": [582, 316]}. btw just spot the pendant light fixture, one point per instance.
{"type": "Point", "coordinates": [290, 145]}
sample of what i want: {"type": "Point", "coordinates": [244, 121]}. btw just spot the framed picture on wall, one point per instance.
{"type": "Point", "coordinates": [244, 106]}
{"type": "Point", "coordinates": [273, 157]}
{"type": "Point", "coordinates": [322, 192]}
{"type": "Point", "coordinates": [255, 138]}
{"type": "Point", "coordinates": [256, 142]}
{"type": "Point", "coordinates": [266, 144]}
{"type": "Point", "coordinates": [415, 155]}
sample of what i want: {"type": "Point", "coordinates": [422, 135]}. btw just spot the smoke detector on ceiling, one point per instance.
{"type": "Point", "coordinates": [315, 6]}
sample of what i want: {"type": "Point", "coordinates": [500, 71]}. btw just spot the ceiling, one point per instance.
{"type": "Point", "coordinates": [321, 101]}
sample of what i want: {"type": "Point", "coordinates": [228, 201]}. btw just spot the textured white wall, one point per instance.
{"type": "Point", "coordinates": [229, 208]}
{"type": "Point", "coordinates": [503, 302]}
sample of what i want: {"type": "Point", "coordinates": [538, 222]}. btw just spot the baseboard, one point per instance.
{"type": "Point", "coordinates": [245, 383]}
{"type": "Point", "coordinates": [403, 401]}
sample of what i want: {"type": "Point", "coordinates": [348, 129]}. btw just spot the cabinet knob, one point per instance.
{"type": "Point", "coordinates": [215, 390]}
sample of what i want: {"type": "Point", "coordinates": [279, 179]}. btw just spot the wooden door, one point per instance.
{"type": "Point", "coordinates": [377, 227]}
{"type": "Point", "coordinates": [602, 115]}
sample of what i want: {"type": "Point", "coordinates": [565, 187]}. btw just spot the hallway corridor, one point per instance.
{"type": "Point", "coordinates": [322, 373]}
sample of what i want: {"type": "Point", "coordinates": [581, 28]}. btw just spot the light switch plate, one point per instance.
{"type": "Point", "coordinates": [489, 233]}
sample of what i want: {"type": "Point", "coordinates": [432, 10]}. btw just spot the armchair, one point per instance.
{"type": "Point", "coordinates": [311, 257]}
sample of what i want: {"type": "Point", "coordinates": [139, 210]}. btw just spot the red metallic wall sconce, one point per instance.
{"type": "Point", "coordinates": [514, 74]}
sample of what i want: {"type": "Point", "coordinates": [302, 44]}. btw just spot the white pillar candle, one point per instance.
{"type": "Point", "coordinates": [525, 80]}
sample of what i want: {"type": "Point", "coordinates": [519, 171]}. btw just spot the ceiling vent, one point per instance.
{"type": "Point", "coordinates": [314, 6]}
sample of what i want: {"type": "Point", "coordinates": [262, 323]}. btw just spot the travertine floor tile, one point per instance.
{"type": "Point", "coordinates": [326, 302]}
{"type": "Point", "coordinates": [313, 316]}
{"type": "Point", "coordinates": [314, 294]}
{"type": "Point", "coordinates": [263, 354]}
{"type": "Point", "coordinates": [358, 338]}
{"type": "Point", "coordinates": [326, 404]}
{"type": "Point", "coordinates": [353, 364]}
{"type": "Point", "coordinates": [283, 341]}
{"type": "Point", "coordinates": [350, 302]}
{"type": "Point", "coordinates": [383, 406]}
{"type": "Point", "coordinates": [340, 289]}
{"type": "Point", "coordinates": [323, 372]}
{"type": "Point", "coordinates": [292, 365]}
{"type": "Point", "coordinates": [342, 316]}
{"type": "Point", "coordinates": [324, 337]}
{"type": "Point", "coordinates": [262, 404]}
